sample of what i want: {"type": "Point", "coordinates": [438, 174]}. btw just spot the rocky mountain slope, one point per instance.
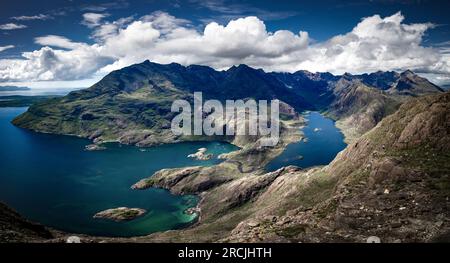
{"type": "Point", "coordinates": [358, 102]}
{"type": "Point", "coordinates": [405, 83]}
{"type": "Point", "coordinates": [358, 107]}
{"type": "Point", "coordinates": [392, 183]}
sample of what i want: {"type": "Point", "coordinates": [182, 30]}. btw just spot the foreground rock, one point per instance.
{"type": "Point", "coordinates": [121, 214]}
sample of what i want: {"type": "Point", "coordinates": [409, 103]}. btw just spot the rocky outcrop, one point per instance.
{"type": "Point", "coordinates": [94, 147]}
{"type": "Point", "coordinates": [166, 178]}
{"type": "Point", "coordinates": [201, 155]}
{"type": "Point", "coordinates": [121, 214]}
{"type": "Point", "coordinates": [242, 190]}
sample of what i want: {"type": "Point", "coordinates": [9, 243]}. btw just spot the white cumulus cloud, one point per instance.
{"type": "Point", "coordinates": [58, 41]}
{"type": "Point", "coordinates": [50, 64]}
{"type": "Point", "coordinates": [375, 43]}
{"type": "Point", "coordinates": [92, 20]}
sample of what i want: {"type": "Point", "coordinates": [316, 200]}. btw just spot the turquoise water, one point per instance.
{"type": "Point", "coordinates": [324, 142]}
{"type": "Point", "coordinates": [52, 180]}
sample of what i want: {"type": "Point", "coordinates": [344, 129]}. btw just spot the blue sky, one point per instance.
{"type": "Point", "coordinates": [74, 42]}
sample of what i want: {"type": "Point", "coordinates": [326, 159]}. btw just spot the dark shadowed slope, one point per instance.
{"type": "Point", "coordinates": [14, 228]}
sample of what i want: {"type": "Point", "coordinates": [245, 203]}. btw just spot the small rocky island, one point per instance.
{"type": "Point", "coordinates": [121, 214]}
{"type": "Point", "coordinates": [201, 155]}
{"type": "Point", "coordinates": [94, 147]}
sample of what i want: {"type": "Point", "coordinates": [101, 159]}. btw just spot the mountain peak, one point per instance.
{"type": "Point", "coordinates": [409, 82]}
{"type": "Point", "coordinates": [408, 72]}
{"type": "Point", "coordinates": [243, 68]}
{"type": "Point", "coordinates": [347, 74]}
{"type": "Point", "coordinates": [240, 67]}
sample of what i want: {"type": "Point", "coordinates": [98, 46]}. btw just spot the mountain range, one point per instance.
{"type": "Point", "coordinates": [132, 105]}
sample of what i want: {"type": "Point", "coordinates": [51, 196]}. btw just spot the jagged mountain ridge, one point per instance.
{"type": "Point", "coordinates": [132, 105]}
